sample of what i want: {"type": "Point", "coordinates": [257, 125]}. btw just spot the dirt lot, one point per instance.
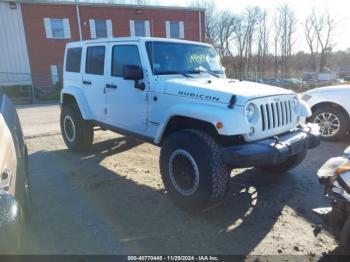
{"type": "Point", "coordinates": [111, 200]}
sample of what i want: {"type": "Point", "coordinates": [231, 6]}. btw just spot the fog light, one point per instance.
{"type": "Point", "coordinates": [252, 131]}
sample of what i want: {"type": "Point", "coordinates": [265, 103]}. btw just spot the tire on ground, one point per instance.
{"type": "Point", "coordinates": [83, 131]}
{"type": "Point", "coordinates": [343, 118]}
{"type": "Point", "coordinates": [290, 163]}
{"type": "Point", "coordinates": [213, 173]}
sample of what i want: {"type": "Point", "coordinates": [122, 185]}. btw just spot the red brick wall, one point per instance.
{"type": "Point", "coordinates": [44, 52]}
{"type": "Point", "coordinates": [120, 20]}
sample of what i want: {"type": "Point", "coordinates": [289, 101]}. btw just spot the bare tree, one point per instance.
{"type": "Point", "coordinates": [287, 24]}
{"type": "Point", "coordinates": [251, 17]}
{"type": "Point", "coordinates": [276, 38]}
{"type": "Point", "coordinates": [240, 42]}
{"type": "Point", "coordinates": [225, 27]}
{"type": "Point", "coordinates": [211, 19]}
{"type": "Point", "coordinates": [311, 38]}
{"type": "Point", "coordinates": [324, 32]}
{"type": "Point", "coordinates": [262, 43]}
{"type": "Point", "coordinates": [319, 32]}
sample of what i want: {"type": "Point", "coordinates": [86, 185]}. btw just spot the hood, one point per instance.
{"type": "Point", "coordinates": [220, 90]}
{"type": "Point", "coordinates": [332, 89]}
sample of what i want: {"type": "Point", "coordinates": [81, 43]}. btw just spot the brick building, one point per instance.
{"type": "Point", "coordinates": [48, 26]}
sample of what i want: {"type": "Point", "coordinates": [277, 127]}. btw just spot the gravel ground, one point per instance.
{"type": "Point", "coordinates": [111, 200]}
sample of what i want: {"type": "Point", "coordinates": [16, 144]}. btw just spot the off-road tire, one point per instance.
{"type": "Point", "coordinates": [84, 133]}
{"type": "Point", "coordinates": [344, 247]}
{"type": "Point", "coordinates": [290, 163]}
{"type": "Point", "coordinates": [343, 118]}
{"type": "Point", "coordinates": [213, 172]}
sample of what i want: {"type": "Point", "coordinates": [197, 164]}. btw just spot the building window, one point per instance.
{"type": "Point", "coordinates": [175, 29]}
{"type": "Point", "coordinates": [124, 55]}
{"type": "Point", "coordinates": [73, 60]}
{"type": "Point", "coordinates": [140, 28]}
{"type": "Point", "coordinates": [100, 28]}
{"type": "Point", "coordinates": [95, 60]}
{"type": "Point", "coordinates": [56, 74]}
{"type": "Point", "coordinates": [57, 28]}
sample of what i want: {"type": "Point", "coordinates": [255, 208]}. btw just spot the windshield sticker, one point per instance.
{"type": "Point", "coordinates": [199, 96]}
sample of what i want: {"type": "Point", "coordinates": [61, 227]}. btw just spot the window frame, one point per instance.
{"type": "Point", "coordinates": [112, 56]}
{"type": "Point", "coordinates": [86, 59]}
{"type": "Point", "coordinates": [181, 28]}
{"type": "Point", "coordinates": [93, 29]}
{"type": "Point", "coordinates": [57, 21]}
{"type": "Point", "coordinates": [139, 22]}
{"type": "Point", "coordinates": [49, 32]}
{"type": "Point", "coordinates": [105, 30]}
{"type": "Point", "coordinates": [146, 24]}
{"type": "Point", "coordinates": [178, 27]}
{"type": "Point", "coordinates": [56, 74]}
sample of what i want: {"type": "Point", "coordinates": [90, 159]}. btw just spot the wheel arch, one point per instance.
{"type": "Point", "coordinates": [180, 122]}
{"type": "Point", "coordinates": [331, 104]}
{"type": "Point", "coordinates": [73, 95]}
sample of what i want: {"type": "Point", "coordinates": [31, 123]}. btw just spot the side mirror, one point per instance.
{"type": "Point", "coordinates": [134, 72]}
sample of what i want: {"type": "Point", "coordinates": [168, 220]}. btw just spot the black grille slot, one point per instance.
{"type": "Point", "coordinates": [268, 116]}
{"type": "Point", "coordinates": [273, 115]}
{"type": "Point", "coordinates": [278, 115]}
{"type": "Point", "coordinates": [262, 117]}
{"type": "Point", "coordinates": [290, 112]}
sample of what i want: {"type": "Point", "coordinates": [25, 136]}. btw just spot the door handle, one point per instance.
{"type": "Point", "coordinates": [86, 82]}
{"type": "Point", "coordinates": [111, 86]}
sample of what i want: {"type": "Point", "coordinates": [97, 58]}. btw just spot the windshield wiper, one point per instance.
{"type": "Point", "coordinates": [201, 69]}
{"type": "Point", "coordinates": [174, 73]}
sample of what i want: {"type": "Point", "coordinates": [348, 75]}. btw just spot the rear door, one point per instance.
{"type": "Point", "coordinates": [93, 80]}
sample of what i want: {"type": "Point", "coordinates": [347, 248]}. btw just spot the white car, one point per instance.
{"type": "Point", "coordinates": [15, 198]}
{"type": "Point", "coordinates": [330, 109]}
{"type": "Point", "coordinates": [174, 94]}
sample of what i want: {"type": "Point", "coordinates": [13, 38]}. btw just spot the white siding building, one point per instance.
{"type": "Point", "coordinates": [14, 61]}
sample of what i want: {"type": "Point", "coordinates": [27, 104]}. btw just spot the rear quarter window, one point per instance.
{"type": "Point", "coordinates": [73, 60]}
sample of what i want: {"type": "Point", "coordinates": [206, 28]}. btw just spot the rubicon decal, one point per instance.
{"type": "Point", "coordinates": [200, 96]}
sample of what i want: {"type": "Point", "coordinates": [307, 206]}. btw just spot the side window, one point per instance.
{"type": "Point", "coordinates": [124, 55]}
{"type": "Point", "coordinates": [73, 60]}
{"type": "Point", "coordinates": [95, 60]}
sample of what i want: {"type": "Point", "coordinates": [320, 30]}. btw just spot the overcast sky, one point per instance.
{"type": "Point", "coordinates": [340, 9]}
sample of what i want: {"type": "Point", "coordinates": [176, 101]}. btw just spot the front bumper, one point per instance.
{"type": "Point", "coordinates": [274, 150]}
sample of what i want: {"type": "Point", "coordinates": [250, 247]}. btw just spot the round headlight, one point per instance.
{"type": "Point", "coordinates": [250, 112]}
{"type": "Point", "coordinates": [295, 104]}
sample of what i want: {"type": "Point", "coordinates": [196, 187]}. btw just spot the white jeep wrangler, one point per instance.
{"type": "Point", "coordinates": [174, 94]}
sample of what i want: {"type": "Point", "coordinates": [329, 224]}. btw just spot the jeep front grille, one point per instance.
{"type": "Point", "coordinates": [276, 114]}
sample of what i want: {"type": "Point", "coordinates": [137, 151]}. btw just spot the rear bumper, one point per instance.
{"type": "Point", "coordinates": [274, 150]}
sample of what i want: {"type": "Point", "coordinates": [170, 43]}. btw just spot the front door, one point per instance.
{"type": "Point", "coordinates": [126, 105]}
{"type": "Point", "coordinates": [94, 81]}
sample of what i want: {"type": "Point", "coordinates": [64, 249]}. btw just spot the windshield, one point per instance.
{"type": "Point", "coordinates": [179, 58]}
